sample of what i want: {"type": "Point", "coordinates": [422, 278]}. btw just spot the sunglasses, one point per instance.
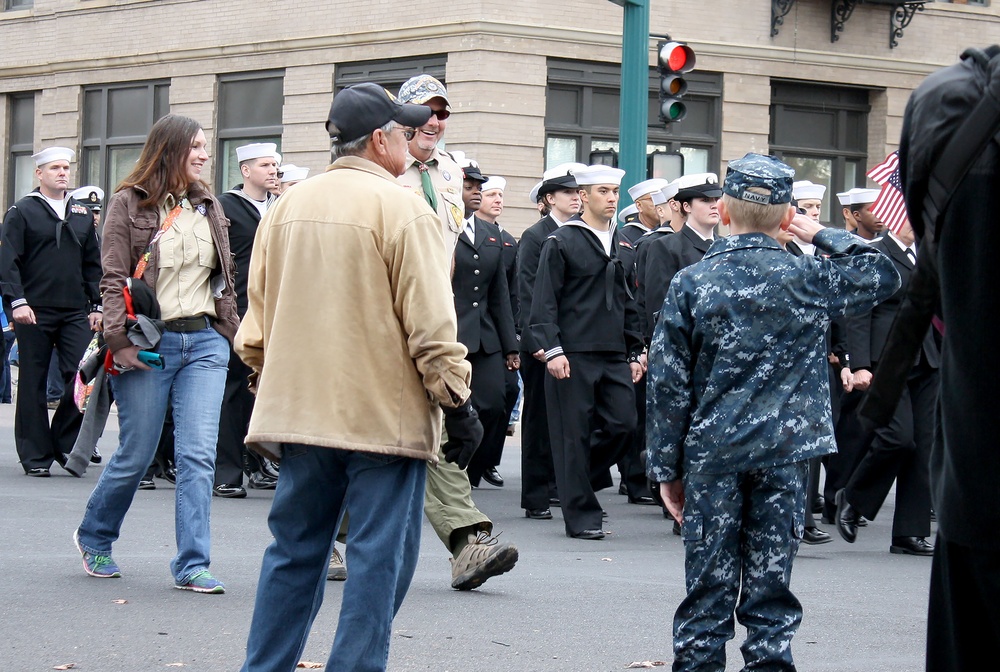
{"type": "Point", "coordinates": [441, 114]}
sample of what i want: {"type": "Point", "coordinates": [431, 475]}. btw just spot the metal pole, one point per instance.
{"type": "Point", "coordinates": [634, 116]}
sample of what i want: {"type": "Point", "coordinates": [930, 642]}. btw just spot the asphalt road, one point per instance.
{"type": "Point", "coordinates": [568, 605]}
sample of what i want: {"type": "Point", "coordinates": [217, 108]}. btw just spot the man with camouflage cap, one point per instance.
{"type": "Point", "coordinates": [738, 401]}
{"type": "Point", "coordinates": [435, 176]}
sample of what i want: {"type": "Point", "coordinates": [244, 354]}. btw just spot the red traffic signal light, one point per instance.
{"type": "Point", "coordinates": [674, 59]}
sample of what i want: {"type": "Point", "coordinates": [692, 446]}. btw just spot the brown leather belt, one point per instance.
{"type": "Point", "coordinates": [186, 324]}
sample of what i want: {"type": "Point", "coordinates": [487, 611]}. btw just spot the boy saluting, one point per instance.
{"type": "Point", "coordinates": [739, 401]}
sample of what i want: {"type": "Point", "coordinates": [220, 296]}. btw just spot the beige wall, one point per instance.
{"type": "Point", "coordinates": [496, 68]}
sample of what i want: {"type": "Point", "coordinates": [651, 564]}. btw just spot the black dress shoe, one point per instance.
{"type": "Point", "coordinates": [95, 457]}
{"type": "Point", "coordinates": [587, 534]}
{"type": "Point", "coordinates": [229, 491]}
{"type": "Point", "coordinates": [819, 504]}
{"type": "Point", "coordinates": [38, 472]}
{"type": "Point", "coordinates": [641, 499]}
{"type": "Point", "coordinates": [862, 521]}
{"type": "Point", "coordinates": [493, 477]}
{"type": "Point", "coordinates": [553, 501]}
{"type": "Point", "coordinates": [169, 475]}
{"type": "Point", "coordinates": [847, 518]}
{"type": "Point", "coordinates": [911, 546]}
{"type": "Point", "coordinates": [622, 490]}
{"type": "Point", "coordinates": [676, 530]}
{"type": "Point", "coordinates": [269, 468]}
{"type": "Point", "coordinates": [815, 536]}
{"type": "Point", "coordinates": [147, 484]}
{"type": "Point", "coordinates": [538, 514]}
{"type": "Point", "coordinates": [261, 481]}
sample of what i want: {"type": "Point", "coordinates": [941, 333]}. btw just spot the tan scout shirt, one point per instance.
{"type": "Point", "coordinates": [186, 258]}
{"type": "Point", "coordinates": [446, 176]}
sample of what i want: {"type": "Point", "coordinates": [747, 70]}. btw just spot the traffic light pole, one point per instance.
{"type": "Point", "coordinates": [634, 115]}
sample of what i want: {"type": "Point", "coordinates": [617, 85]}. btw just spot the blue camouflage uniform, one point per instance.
{"type": "Point", "coordinates": [738, 400]}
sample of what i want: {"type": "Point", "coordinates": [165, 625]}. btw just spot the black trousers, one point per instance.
{"type": "Point", "coordinates": [38, 443]}
{"type": "Point", "coordinates": [631, 465]}
{"type": "Point", "coordinates": [488, 397]}
{"type": "Point", "coordinates": [537, 473]}
{"type": "Point", "coordinates": [901, 452]}
{"type": "Point", "coordinates": [963, 615]}
{"type": "Point", "coordinates": [234, 419]}
{"type": "Point", "coordinates": [852, 443]}
{"type": "Point", "coordinates": [591, 424]}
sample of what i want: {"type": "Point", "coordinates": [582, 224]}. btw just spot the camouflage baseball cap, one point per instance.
{"type": "Point", "coordinates": [422, 88]}
{"type": "Point", "coordinates": [759, 170]}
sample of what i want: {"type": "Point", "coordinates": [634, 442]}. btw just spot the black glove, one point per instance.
{"type": "Point", "coordinates": [465, 432]}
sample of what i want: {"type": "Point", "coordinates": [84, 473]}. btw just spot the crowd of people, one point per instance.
{"type": "Point", "coordinates": [719, 376]}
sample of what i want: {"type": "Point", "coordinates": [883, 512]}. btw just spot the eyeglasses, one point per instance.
{"type": "Point", "coordinates": [408, 133]}
{"type": "Point", "coordinates": [441, 114]}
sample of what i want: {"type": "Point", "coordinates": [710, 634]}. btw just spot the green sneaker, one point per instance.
{"type": "Point", "coordinates": [101, 566]}
{"type": "Point", "coordinates": [202, 582]}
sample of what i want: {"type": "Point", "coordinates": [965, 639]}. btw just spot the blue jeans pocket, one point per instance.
{"type": "Point", "coordinates": [380, 459]}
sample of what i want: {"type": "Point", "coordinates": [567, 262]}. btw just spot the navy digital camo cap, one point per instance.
{"type": "Point", "coordinates": [759, 170]}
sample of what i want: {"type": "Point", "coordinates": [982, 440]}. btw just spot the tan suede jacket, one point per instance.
{"type": "Point", "coordinates": [126, 233]}
{"type": "Point", "coordinates": [351, 326]}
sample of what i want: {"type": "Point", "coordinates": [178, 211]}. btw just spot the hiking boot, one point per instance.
{"type": "Point", "coordinates": [101, 566]}
{"type": "Point", "coordinates": [337, 571]}
{"type": "Point", "coordinates": [483, 558]}
{"type": "Point", "coordinates": [202, 582]}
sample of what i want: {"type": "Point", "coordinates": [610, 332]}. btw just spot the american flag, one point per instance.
{"type": "Point", "coordinates": [889, 207]}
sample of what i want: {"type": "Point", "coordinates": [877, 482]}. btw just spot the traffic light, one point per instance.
{"type": "Point", "coordinates": [675, 59]}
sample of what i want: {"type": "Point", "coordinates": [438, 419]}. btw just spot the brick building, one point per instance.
{"type": "Point", "coordinates": [532, 84]}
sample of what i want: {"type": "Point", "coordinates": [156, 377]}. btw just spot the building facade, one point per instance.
{"type": "Point", "coordinates": [822, 83]}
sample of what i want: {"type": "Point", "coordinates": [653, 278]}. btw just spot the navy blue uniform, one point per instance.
{"type": "Point", "coordinates": [738, 401]}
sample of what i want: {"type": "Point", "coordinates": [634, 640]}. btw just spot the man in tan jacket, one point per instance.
{"type": "Point", "coordinates": [351, 335]}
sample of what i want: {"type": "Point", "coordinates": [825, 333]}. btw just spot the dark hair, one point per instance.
{"type": "Point", "coordinates": [162, 166]}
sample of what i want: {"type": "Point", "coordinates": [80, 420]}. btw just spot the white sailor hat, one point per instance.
{"type": "Point", "coordinates": [697, 185]}
{"type": "Point", "coordinates": [804, 190]}
{"type": "Point", "coordinates": [50, 154]}
{"type": "Point", "coordinates": [670, 190]}
{"type": "Point", "coordinates": [858, 196]}
{"type": "Point", "coordinates": [625, 213]}
{"type": "Point", "coordinates": [292, 173]}
{"type": "Point", "coordinates": [560, 177]}
{"type": "Point", "coordinates": [599, 174]}
{"type": "Point", "coordinates": [495, 182]}
{"type": "Point", "coordinates": [533, 194]}
{"type": "Point", "coordinates": [92, 197]}
{"type": "Point", "coordinates": [658, 198]}
{"type": "Point", "coordinates": [258, 150]}
{"type": "Point", "coordinates": [652, 186]}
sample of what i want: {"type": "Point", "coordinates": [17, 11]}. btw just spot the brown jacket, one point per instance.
{"type": "Point", "coordinates": [128, 229]}
{"type": "Point", "coordinates": [351, 323]}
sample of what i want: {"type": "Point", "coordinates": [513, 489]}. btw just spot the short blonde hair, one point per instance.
{"type": "Point", "coordinates": [755, 216]}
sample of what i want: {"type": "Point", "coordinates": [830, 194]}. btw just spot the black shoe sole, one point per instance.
{"type": "Point", "coordinates": [546, 515]}
{"type": "Point", "coordinates": [902, 550]}
{"type": "Point", "coordinates": [238, 494]}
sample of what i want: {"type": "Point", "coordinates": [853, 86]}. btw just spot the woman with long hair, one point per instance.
{"type": "Point", "coordinates": [166, 234]}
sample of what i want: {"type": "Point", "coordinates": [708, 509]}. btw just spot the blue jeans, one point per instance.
{"type": "Point", "coordinates": [193, 379]}
{"type": "Point", "coordinates": [385, 496]}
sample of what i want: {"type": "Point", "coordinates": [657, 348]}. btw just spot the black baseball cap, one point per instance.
{"type": "Point", "coordinates": [360, 109]}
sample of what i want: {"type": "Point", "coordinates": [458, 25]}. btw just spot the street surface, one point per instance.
{"type": "Point", "coordinates": [568, 605]}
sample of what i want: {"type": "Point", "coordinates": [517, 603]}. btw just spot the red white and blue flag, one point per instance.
{"type": "Point", "coordinates": [889, 207]}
